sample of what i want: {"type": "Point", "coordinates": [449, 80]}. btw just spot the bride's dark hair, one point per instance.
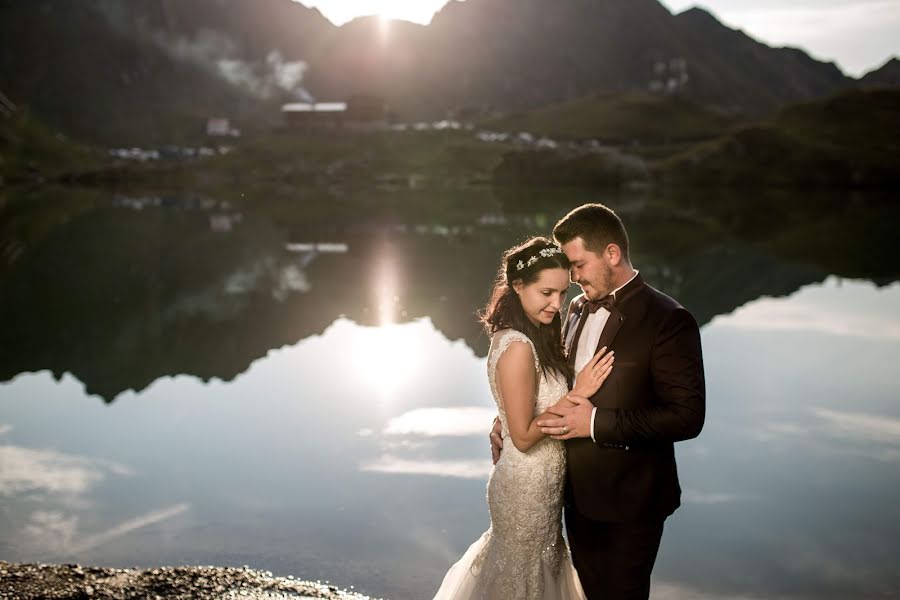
{"type": "Point", "coordinates": [504, 310]}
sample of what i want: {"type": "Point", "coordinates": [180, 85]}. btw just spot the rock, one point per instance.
{"type": "Point", "coordinates": [58, 582]}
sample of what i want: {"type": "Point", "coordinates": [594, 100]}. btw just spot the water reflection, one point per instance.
{"type": "Point", "coordinates": [300, 410]}
{"type": "Point", "coordinates": [267, 469]}
{"type": "Point", "coordinates": [799, 449]}
{"type": "Point", "coordinates": [99, 285]}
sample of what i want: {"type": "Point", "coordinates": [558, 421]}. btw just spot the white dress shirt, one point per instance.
{"type": "Point", "coordinates": [590, 337]}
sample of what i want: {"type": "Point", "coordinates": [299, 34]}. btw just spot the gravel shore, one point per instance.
{"type": "Point", "coordinates": [75, 582]}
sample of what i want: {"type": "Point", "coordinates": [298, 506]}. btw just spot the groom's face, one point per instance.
{"type": "Point", "coordinates": [591, 272]}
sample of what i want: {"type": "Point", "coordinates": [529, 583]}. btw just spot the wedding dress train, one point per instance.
{"type": "Point", "coordinates": [522, 556]}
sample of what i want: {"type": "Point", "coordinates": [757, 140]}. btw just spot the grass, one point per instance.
{"type": "Point", "coordinates": [30, 151]}
{"type": "Point", "coordinates": [310, 157]}
{"type": "Point", "coordinates": [620, 118]}
{"type": "Point", "coordinates": [850, 139]}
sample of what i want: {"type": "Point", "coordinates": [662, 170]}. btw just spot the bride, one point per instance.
{"type": "Point", "coordinates": [523, 556]}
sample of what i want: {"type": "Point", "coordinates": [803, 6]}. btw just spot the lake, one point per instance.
{"type": "Point", "coordinates": [294, 380]}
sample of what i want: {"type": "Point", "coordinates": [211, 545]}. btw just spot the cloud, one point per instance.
{"type": "Point", "coordinates": [219, 54]}
{"type": "Point", "coordinates": [264, 79]}
{"type": "Point", "coordinates": [433, 422]}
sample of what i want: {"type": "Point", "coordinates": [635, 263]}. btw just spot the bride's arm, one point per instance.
{"type": "Point", "coordinates": [517, 383]}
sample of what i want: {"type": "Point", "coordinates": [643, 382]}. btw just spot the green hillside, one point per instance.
{"type": "Point", "coordinates": [850, 139]}
{"type": "Point", "coordinates": [31, 151]}
{"type": "Point", "coordinates": [621, 118]}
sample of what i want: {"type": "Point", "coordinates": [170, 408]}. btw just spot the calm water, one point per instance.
{"type": "Point", "coordinates": [198, 380]}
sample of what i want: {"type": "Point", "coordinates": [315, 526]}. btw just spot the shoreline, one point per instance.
{"type": "Point", "coordinates": [31, 581]}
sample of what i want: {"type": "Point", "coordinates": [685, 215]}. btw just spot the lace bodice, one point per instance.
{"type": "Point", "coordinates": [550, 389]}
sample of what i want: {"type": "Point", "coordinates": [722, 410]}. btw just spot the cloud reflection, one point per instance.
{"type": "Point", "coordinates": [465, 469]}
{"type": "Point", "coordinates": [818, 308]}
{"type": "Point", "coordinates": [861, 426]}
{"type": "Point", "coordinates": [863, 435]}
{"type": "Point", "coordinates": [51, 530]}
{"type": "Point", "coordinates": [56, 531]}
{"type": "Point", "coordinates": [409, 443]}
{"type": "Point", "coordinates": [433, 422]}
{"type": "Point", "coordinates": [129, 526]}
{"type": "Point", "coordinates": [27, 470]}
{"type": "Point", "coordinates": [696, 497]}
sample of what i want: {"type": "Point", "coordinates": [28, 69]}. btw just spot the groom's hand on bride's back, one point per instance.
{"type": "Point", "coordinates": [496, 440]}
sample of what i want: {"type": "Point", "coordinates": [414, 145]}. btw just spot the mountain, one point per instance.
{"type": "Point", "coordinates": [148, 71]}
{"type": "Point", "coordinates": [731, 69]}
{"type": "Point", "coordinates": [247, 29]}
{"type": "Point", "coordinates": [121, 72]}
{"type": "Point", "coordinates": [516, 55]}
{"type": "Point", "coordinates": [65, 63]}
{"type": "Point", "coordinates": [888, 75]}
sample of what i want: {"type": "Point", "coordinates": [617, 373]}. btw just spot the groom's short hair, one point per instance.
{"type": "Point", "coordinates": [597, 225]}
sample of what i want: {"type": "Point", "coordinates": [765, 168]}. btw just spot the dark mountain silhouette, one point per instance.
{"type": "Point", "coordinates": [66, 64]}
{"type": "Point", "coordinates": [731, 69]}
{"type": "Point", "coordinates": [151, 71]}
{"type": "Point", "coordinates": [140, 70]}
{"type": "Point", "coordinates": [253, 28]}
{"type": "Point", "coordinates": [888, 75]}
{"type": "Point", "coordinates": [497, 54]}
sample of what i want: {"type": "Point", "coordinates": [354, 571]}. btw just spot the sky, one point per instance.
{"type": "Point", "coordinates": [859, 35]}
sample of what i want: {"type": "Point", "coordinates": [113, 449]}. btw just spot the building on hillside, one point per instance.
{"type": "Point", "coordinates": [218, 127]}
{"type": "Point", "coordinates": [314, 114]}
{"type": "Point", "coordinates": [361, 111]}
{"type": "Point", "coordinates": [669, 76]}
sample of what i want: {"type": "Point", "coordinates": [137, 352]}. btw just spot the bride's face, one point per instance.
{"type": "Point", "coordinates": [544, 297]}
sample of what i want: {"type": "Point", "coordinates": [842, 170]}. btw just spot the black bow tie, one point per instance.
{"type": "Point", "coordinates": [607, 302]}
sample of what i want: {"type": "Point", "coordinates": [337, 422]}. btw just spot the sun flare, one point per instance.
{"type": "Point", "coordinates": [342, 11]}
{"type": "Point", "coordinates": [384, 359]}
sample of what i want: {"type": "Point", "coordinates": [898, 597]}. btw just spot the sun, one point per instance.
{"type": "Point", "coordinates": [405, 10]}
{"type": "Point", "coordinates": [384, 360]}
{"type": "Point", "coordinates": [342, 11]}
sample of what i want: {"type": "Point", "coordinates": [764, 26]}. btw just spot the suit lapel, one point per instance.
{"type": "Point", "coordinates": [613, 324]}
{"type": "Point", "coordinates": [573, 318]}
{"type": "Point", "coordinates": [574, 349]}
{"type": "Point", "coordinates": [616, 316]}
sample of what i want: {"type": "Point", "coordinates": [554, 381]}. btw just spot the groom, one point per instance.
{"type": "Point", "coordinates": [622, 481]}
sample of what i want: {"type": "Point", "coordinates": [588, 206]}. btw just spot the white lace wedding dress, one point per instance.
{"type": "Point", "coordinates": [522, 556]}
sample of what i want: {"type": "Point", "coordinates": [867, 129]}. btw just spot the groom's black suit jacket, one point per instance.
{"type": "Point", "coordinates": [654, 396]}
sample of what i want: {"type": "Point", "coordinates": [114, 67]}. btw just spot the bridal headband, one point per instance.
{"type": "Point", "coordinates": [545, 252]}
